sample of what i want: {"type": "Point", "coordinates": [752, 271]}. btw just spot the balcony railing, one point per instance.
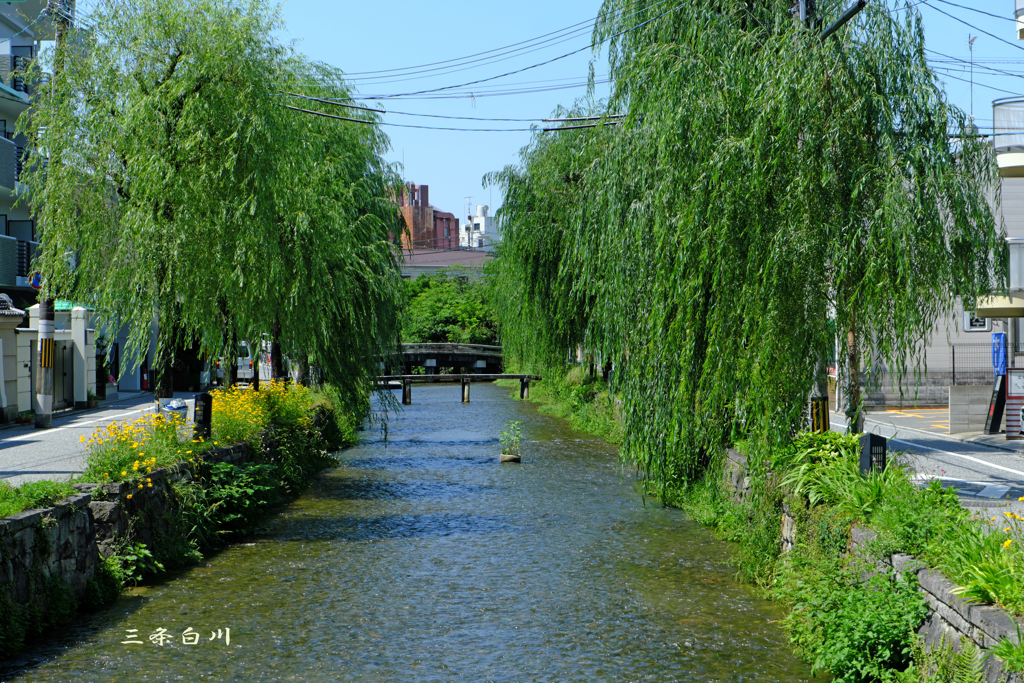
{"type": "Point", "coordinates": [1008, 135]}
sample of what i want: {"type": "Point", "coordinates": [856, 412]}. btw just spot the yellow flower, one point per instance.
{"type": "Point", "coordinates": [149, 485]}
{"type": "Point", "coordinates": [1006, 529]}
{"type": "Point", "coordinates": [105, 474]}
{"type": "Point", "coordinates": [1008, 542]}
{"type": "Point", "coordinates": [129, 496]}
{"type": "Point", "coordinates": [82, 439]}
{"type": "Point", "coordinates": [124, 474]}
{"type": "Point", "coordinates": [993, 519]}
{"type": "Point", "coordinates": [147, 479]}
{"type": "Point", "coordinates": [140, 486]}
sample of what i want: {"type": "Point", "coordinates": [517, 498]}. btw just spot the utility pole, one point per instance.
{"type": "Point", "coordinates": [61, 12]}
{"type": "Point", "coordinates": [805, 12]}
{"type": "Point", "coordinates": [970, 46]}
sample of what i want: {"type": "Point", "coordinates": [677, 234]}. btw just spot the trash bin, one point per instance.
{"type": "Point", "coordinates": [174, 407]}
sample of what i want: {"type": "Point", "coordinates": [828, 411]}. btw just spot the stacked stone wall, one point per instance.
{"type": "Point", "coordinates": [41, 549]}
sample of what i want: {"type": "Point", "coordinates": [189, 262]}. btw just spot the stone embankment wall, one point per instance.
{"type": "Point", "coordinates": [949, 617]}
{"type": "Point", "coordinates": [48, 552]}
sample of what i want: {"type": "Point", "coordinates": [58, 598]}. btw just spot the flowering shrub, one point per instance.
{"type": "Point", "coordinates": [123, 451]}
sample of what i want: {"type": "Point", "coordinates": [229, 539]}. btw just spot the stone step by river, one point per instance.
{"type": "Point", "coordinates": [424, 559]}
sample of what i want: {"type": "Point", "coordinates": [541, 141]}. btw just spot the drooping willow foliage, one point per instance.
{"type": "Point", "coordinates": [189, 194]}
{"type": "Point", "coordinates": [763, 183]}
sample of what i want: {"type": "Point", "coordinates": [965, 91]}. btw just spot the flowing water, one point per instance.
{"type": "Point", "coordinates": [423, 559]}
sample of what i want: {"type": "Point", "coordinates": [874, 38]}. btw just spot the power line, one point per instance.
{"type": "Point", "coordinates": [478, 54]}
{"type": "Point", "coordinates": [970, 25]}
{"type": "Point", "coordinates": [534, 66]}
{"type": "Point", "coordinates": [585, 125]}
{"type": "Point", "coordinates": [990, 87]}
{"type": "Point", "coordinates": [432, 116]}
{"type": "Point", "coordinates": [444, 71]}
{"type": "Point", "coordinates": [475, 95]}
{"type": "Point", "coordinates": [460, 63]}
{"type": "Point", "coordinates": [979, 11]}
{"type": "Point", "coordinates": [407, 125]}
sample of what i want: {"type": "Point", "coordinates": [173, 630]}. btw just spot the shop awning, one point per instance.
{"type": "Point", "coordinates": [1000, 307]}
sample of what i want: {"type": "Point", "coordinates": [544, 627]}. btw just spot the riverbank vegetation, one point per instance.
{"type": "Point", "coordinates": [855, 629]}
{"type": "Point", "coordinates": [572, 393]}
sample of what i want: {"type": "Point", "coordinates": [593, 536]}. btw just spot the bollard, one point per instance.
{"type": "Point", "coordinates": [465, 391]}
{"type": "Point", "coordinates": [406, 392]}
{"type": "Point", "coordinates": [203, 415]}
{"type": "Point", "coordinates": [524, 388]}
{"type": "Point", "coordinates": [819, 415]}
{"type": "Point", "coordinates": [872, 453]}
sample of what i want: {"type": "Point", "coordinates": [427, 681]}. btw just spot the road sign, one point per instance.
{"type": "Point", "coordinates": [36, 280]}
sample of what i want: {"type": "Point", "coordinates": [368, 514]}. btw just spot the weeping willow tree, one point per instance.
{"type": "Point", "coordinates": [189, 195]}
{"type": "Point", "coordinates": [762, 182]}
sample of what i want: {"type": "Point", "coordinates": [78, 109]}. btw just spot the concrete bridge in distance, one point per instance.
{"type": "Point", "coordinates": [477, 358]}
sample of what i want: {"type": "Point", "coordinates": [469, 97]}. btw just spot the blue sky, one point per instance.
{"type": "Point", "coordinates": [374, 36]}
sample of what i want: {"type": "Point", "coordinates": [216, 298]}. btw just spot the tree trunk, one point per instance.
{"type": "Point", "coordinates": [163, 363]}
{"type": "Point", "coordinates": [255, 357]}
{"type": "Point", "coordinates": [276, 362]}
{"type": "Point", "coordinates": [854, 415]}
{"type": "Point", "coordinates": [303, 369]}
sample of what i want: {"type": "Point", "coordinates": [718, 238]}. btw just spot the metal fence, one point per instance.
{"type": "Point", "coordinates": [971, 364]}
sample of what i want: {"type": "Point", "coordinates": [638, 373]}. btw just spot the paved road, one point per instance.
{"type": "Point", "coordinates": [985, 476]}
{"type": "Point", "coordinates": [28, 454]}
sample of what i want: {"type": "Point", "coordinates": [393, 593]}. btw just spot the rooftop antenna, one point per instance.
{"type": "Point", "coordinates": [970, 46]}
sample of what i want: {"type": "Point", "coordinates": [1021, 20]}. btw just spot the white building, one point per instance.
{"type": "Point", "coordinates": [479, 231]}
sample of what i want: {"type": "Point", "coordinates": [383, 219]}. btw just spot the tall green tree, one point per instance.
{"type": "Point", "coordinates": [190, 196]}
{"type": "Point", "coordinates": [763, 182]}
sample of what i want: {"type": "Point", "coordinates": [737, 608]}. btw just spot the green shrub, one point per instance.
{"type": "Point", "coordinates": [855, 628]}
{"type": "Point", "coordinates": [238, 495]}
{"type": "Point", "coordinates": [32, 495]}
{"type": "Point", "coordinates": [105, 585]}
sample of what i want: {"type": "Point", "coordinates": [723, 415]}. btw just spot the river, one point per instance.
{"type": "Point", "coordinates": [423, 559]}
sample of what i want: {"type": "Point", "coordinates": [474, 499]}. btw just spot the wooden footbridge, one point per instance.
{"type": "Point", "coordinates": [408, 380]}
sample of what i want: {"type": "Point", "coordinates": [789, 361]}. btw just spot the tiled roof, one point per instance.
{"type": "Point", "coordinates": [436, 257]}
{"type": "Point", "coordinates": [7, 308]}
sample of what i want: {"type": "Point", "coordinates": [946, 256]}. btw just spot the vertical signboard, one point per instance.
{"type": "Point", "coordinates": [996, 405]}
{"type": "Point", "coordinates": [1014, 401]}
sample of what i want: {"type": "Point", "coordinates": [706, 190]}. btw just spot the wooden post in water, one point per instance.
{"type": "Point", "coordinates": [406, 392]}
{"type": "Point", "coordinates": [465, 391]}
{"type": "Point", "coordinates": [524, 388]}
